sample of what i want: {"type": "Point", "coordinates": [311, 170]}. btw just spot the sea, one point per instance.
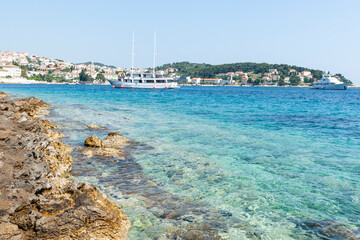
{"type": "Point", "coordinates": [219, 162]}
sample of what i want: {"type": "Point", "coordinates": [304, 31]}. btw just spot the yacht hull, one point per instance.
{"type": "Point", "coordinates": [120, 84]}
{"type": "Point", "coordinates": [332, 87]}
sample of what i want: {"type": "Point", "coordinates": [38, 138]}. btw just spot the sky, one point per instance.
{"type": "Point", "coordinates": [319, 34]}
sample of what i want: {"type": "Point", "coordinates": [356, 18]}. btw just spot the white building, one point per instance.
{"type": "Point", "coordinates": [4, 73]}
{"type": "Point", "coordinates": [305, 73]}
{"type": "Point", "coordinates": [111, 76]}
{"type": "Point", "coordinates": [13, 70]}
{"type": "Point", "coordinates": [226, 81]}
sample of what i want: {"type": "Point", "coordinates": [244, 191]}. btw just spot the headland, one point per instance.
{"type": "Point", "coordinates": [37, 200]}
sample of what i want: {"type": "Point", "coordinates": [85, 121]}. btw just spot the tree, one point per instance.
{"type": "Point", "coordinates": [23, 73]}
{"type": "Point", "coordinates": [281, 82]}
{"type": "Point", "coordinates": [84, 77]}
{"type": "Point", "coordinates": [100, 77]}
{"type": "Point", "coordinates": [294, 80]}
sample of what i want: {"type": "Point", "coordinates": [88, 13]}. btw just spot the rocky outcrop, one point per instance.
{"type": "Point", "coordinates": [2, 94]}
{"type": "Point", "coordinates": [114, 140]}
{"type": "Point", "coordinates": [110, 146]}
{"type": "Point", "coordinates": [93, 141]}
{"type": "Point", "coordinates": [36, 200]}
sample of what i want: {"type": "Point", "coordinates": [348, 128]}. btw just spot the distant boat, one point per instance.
{"type": "Point", "coordinates": [146, 80]}
{"type": "Point", "coordinates": [329, 82]}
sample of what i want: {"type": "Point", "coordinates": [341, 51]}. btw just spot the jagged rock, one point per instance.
{"type": "Point", "coordinates": [36, 201]}
{"type": "Point", "coordinates": [110, 146]}
{"type": "Point", "coordinates": [55, 135]}
{"type": "Point", "coordinates": [2, 94]}
{"type": "Point", "coordinates": [114, 140]}
{"type": "Point", "coordinates": [92, 141]}
{"type": "Point", "coordinates": [49, 125]}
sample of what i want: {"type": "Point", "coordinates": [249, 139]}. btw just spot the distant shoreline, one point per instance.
{"type": "Point", "coordinates": [20, 80]}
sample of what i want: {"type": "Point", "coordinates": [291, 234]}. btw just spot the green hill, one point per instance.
{"type": "Point", "coordinates": [204, 70]}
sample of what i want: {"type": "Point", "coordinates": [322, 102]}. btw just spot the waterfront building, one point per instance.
{"type": "Point", "coordinates": [4, 73]}
{"type": "Point", "coordinates": [111, 76]}
{"type": "Point", "coordinates": [13, 70]}
{"type": "Point", "coordinates": [211, 80]}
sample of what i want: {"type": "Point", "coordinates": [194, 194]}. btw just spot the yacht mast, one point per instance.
{"type": "Point", "coordinates": [133, 53]}
{"type": "Point", "coordinates": [154, 73]}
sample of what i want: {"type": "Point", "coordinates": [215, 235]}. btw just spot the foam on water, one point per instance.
{"type": "Point", "coordinates": [229, 162]}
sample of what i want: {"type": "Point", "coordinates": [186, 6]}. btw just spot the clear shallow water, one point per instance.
{"type": "Point", "coordinates": [229, 162]}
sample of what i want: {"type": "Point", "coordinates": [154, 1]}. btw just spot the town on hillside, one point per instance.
{"type": "Point", "coordinates": [21, 65]}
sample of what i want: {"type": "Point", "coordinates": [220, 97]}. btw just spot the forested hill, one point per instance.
{"type": "Point", "coordinates": [203, 70]}
{"type": "Point", "coordinates": [98, 64]}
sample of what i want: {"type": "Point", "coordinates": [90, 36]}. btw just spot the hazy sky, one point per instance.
{"type": "Point", "coordinates": [320, 34]}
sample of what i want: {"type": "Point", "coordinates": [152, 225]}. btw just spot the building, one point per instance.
{"type": "Point", "coordinates": [244, 79]}
{"type": "Point", "coordinates": [226, 81]}
{"type": "Point", "coordinates": [111, 76]}
{"type": "Point", "coordinates": [4, 73]}
{"type": "Point", "coordinates": [211, 80]}
{"type": "Point", "coordinates": [196, 80]}
{"type": "Point", "coordinates": [14, 71]}
{"type": "Point", "coordinates": [305, 73]}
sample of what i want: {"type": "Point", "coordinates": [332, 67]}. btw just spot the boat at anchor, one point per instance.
{"type": "Point", "coordinates": [147, 80]}
{"type": "Point", "coordinates": [329, 82]}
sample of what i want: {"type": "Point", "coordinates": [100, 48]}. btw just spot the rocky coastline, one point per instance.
{"type": "Point", "coordinates": [37, 200]}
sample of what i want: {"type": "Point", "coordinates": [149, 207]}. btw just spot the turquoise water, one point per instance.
{"type": "Point", "coordinates": [224, 162]}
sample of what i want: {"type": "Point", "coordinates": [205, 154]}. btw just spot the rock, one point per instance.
{"type": "Point", "coordinates": [93, 141]}
{"type": "Point", "coordinates": [88, 153]}
{"type": "Point", "coordinates": [109, 152]}
{"type": "Point", "coordinates": [49, 125]}
{"type": "Point", "coordinates": [329, 229]}
{"type": "Point", "coordinates": [2, 94]}
{"type": "Point", "coordinates": [114, 140]}
{"type": "Point", "coordinates": [55, 135]}
{"type": "Point", "coordinates": [36, 201]}
{"type": "Point", "coordinates": [93, 126]}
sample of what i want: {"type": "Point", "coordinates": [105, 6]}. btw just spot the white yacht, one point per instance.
{"type": "Point", "coordinates": [329, 82]}
{"type": "Point", "coordinates": [144, 80]}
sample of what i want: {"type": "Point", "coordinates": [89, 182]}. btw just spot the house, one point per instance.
{"type": "Point", "coordinates": [211, 80]}
{"type": "Point", "coordinates": [244, 79]}
{"type": "Point", "coordinates": [196, 80]}
{"type": "Point", "coordinates": [185, 80]}
{"type": "Point", "coordinates": [287, 80]}
{"type": "Point", "coordinates": [305, 73]}
{"type": "Point", "coordinates": [275, 77]}
{"type": "Point", "coordinates": [226, 81]}
{"type": "Point", "coordinates": [292, 71]}
{"type": "Point", "coordinates": [14, 71]}
{"type": "Point", "coordinates": [4, 73]}
{"type": "Point", "coordinates": [110, 76]}
{"type": "Point", "coordinates": [273, 71]}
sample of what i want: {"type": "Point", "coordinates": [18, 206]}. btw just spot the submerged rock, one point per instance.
{"type": "Point", "coordinates": [110, 146]}
{"type": "Point", "coordinates": [93, 141]}
{"type": "Point", "coordinates": [329, 229]}
{"type": "Point", "coordinates": [114, 140]}
{"type": "Point", "coordinates": [94, 126]}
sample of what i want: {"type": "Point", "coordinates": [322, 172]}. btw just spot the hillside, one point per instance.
{"type": "Point", "coordinates": [204, 70]}
{"type": "Point", "coordinates": [98, 64]}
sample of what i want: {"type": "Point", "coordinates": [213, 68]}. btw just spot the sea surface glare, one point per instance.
{"type": "Point", "coordinates": [220, 162]}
